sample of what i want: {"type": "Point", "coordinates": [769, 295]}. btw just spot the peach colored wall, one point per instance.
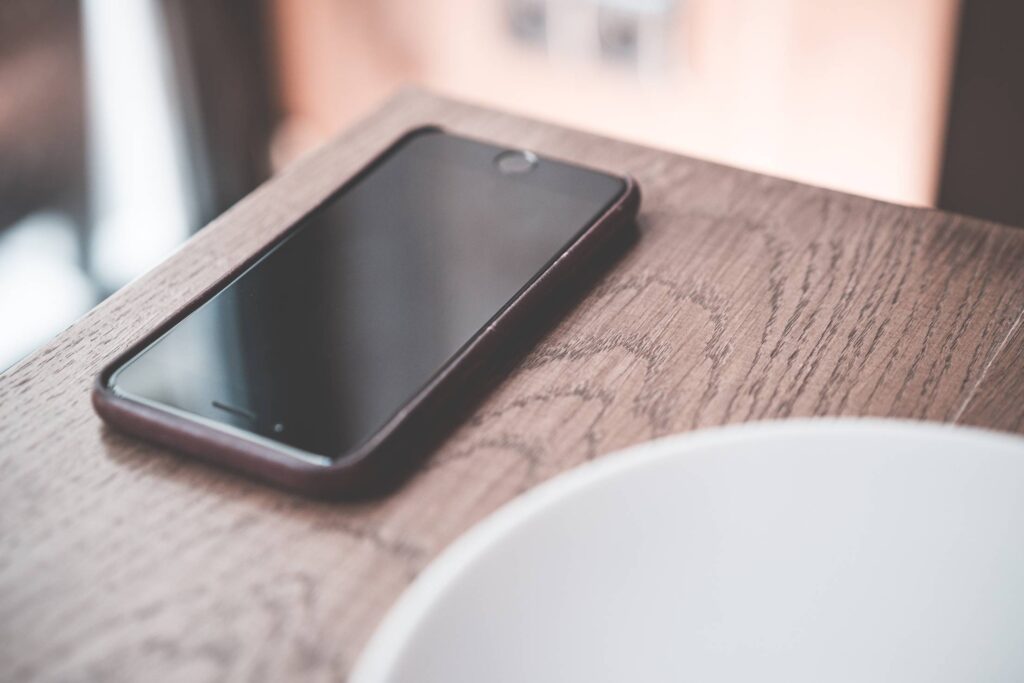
{"type": "Point", "coordinates": [844, 93]}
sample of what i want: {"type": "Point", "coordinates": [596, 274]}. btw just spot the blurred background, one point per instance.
{"type": "Point", "coordinates": [126, 125]}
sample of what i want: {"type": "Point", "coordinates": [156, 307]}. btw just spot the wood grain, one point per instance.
{"type": "Point", "coordinates": [746, 298]}
{"type": "Point", "coordinates": [997, 401]}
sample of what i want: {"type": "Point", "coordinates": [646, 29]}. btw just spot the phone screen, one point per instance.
{"type": "Point", "coordinates": [327, 336]}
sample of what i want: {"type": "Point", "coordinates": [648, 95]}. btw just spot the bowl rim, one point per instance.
{"type": "Point", "coordinates": [385, 649]}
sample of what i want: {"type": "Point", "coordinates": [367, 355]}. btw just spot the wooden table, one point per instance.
{"type": "Point", "coordinates": [746, 298]}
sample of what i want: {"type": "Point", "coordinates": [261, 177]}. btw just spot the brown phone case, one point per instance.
{"type": "Point", "coordinates": [389, 456]}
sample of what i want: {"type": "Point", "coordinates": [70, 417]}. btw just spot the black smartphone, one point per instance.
{"type": "Point", "coordinates": [325, 362]}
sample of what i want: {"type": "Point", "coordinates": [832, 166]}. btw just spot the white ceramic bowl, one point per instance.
{"type": "Point", "coordinates": [807, 550]}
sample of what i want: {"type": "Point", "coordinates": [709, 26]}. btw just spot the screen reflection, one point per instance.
{"type": "Point", "coordinates": [321, 341]}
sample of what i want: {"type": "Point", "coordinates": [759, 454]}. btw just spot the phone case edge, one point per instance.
{"type": "Point", "coordinates": [389, 456]}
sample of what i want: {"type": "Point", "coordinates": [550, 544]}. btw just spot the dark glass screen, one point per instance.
{"type": "Point", "coordinates": [327, 336]}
